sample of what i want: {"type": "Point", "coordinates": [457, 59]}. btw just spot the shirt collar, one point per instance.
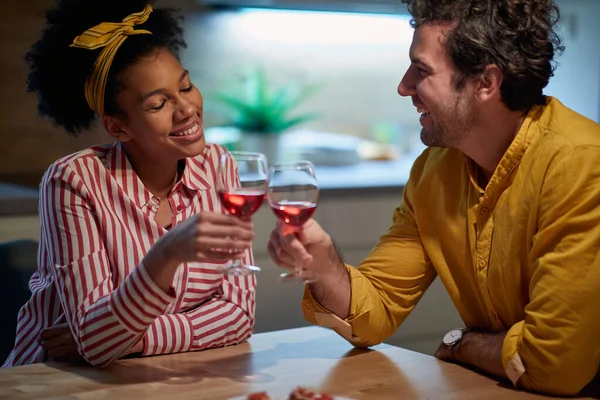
{"type": "Point", "coordinates": [197, 174]}
{"type": "Point", "coordinates": [127, 179]}
{"type": "Point", "coordinates": [513, 155]}
{"type": "Point", "coordinates": [199, 171]}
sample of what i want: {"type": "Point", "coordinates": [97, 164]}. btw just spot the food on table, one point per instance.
{"type": "Point", "coordinates": [301, 393]}
{"type": "Point", "coordinates": [259, 396]}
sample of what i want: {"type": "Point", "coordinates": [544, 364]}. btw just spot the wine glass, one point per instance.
{"type": "Point", "coordinates": [242, 197]}
{"type": "Point", "coordinates": [292, 195]}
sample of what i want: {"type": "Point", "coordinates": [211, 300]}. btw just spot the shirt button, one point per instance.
{"type": "Point", "coordinates": [180, 207]}
{"type": "Point", "coordinates": [484, 211]}
{"type": "Point", "coordinates": [494, 316]}
{"type": "Point", "coordinates": [482, 264]}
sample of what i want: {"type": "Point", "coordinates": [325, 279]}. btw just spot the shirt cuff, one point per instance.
{"type": "Point", "coordinates": [511, 361]}
{"type": "Point", "coordinates": [317, 314]}
{"type": "Point", "coordinates": [171, 333]}
{"type": "Point", "coordinates": [138, 301]}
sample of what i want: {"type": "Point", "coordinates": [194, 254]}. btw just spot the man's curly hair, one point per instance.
{"type": "Point", "coordinates": [57, 72]}
{"type": "Point", "coordinates": [516, 35]}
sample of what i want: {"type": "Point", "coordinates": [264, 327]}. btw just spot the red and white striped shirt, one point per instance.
{"type": "Point", "coordinates": [97, 224]}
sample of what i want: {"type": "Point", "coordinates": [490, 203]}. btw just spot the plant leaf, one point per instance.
{"type": "Point", "coordinates": [258, 106]}
{"type": "Point", "coordinates": [283, 125]}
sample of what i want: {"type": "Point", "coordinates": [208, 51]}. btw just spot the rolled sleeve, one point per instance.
{"type": "Point", "coordinates": [385, 287]}
{"type": "Point", "coordinates": [555, 348]}
{"type": "Point", "coordinates": [317, 314]}
{"type": "Point", "coordinates": [138, 301]}
{"type": "Point", "coordinates": [171, 333]}
{"type": "Point", "coordinates": [511, 361]}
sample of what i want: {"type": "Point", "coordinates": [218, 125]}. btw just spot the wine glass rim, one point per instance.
{"type": "Point", "coordinates": [247, 153]}
{"type": "Point", "coordinates": [293, 164]}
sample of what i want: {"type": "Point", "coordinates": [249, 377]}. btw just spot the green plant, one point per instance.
{"type": "Point", "coordinates": [254, 105]}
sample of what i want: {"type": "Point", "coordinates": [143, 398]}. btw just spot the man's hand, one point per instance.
{"type": "Point", "coordinates": [59, 344]}
{"type": "Point", "coordinates": [444, 353]}
{"type": "Point", "coordinates": [480, 350]}
{"type": "Point", "coordinates": [312, 248]}
{"type": "Point", "coordinates": [309, 246]}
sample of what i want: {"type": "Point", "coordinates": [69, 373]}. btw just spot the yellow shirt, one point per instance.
{"type": "Point", "coordinates": [521, 255]}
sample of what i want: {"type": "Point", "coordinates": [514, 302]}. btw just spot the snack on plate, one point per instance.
{"type": "Point", "coordinates": [301, 393]}
{"type": "Point", "coordinates": [259, 396]}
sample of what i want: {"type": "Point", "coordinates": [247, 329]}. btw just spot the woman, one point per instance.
{"type": "Point", "coordinates": [127, 261]}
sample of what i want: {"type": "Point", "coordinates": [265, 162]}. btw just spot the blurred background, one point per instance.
{"type": "Point", "coordinates": [313, 79]}
{"type": "Point", "coordinates": [351, 62]}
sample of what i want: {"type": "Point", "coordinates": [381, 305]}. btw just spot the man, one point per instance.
{"type": "Point", "coordinates": [503, 206]}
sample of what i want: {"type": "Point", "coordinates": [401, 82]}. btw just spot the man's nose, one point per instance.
{"type": "Point", "coordinates": [407, 87]}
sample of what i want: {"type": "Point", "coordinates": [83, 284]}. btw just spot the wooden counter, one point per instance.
{"type": "Point", "coordinates": [274, 362]}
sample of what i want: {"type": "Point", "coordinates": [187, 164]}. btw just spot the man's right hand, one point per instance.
{"type": "Point", "coordinates": [308, 246]}
{"type": "Point", "coordinates": [312, 248]}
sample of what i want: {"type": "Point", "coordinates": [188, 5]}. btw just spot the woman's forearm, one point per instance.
{"type": "Point", "coordinates": [160, 266]}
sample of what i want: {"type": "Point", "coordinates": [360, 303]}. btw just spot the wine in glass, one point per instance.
{"type": "Point", "coordinates": [243, 193]}
{"type": "Point", "coordinates": [292, 195]}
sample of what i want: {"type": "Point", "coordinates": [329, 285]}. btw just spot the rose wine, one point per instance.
{"type": "Point", "coordinates": [295, 213]}
{"type": "Point", "coordinates": [242, 204]}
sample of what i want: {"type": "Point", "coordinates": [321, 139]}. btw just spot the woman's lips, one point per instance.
{"type": "Point", "coordinates": [189, 135]}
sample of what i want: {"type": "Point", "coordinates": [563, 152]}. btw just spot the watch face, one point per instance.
{"type": "Point", "coordinates": [452, 337]}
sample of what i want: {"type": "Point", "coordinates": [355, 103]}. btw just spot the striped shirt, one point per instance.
{"type": "Point", "coordinates": [97, 224]}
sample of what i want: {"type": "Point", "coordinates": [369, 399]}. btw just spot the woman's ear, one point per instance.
{"type": "Point", "coordinates": [115, 127]}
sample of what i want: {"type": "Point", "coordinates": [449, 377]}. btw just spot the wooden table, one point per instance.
{"type": "Point", "coordinates": [275, 362]}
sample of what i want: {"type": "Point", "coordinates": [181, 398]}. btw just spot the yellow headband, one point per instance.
{"type": "Point", "coordinates": [109, 35]}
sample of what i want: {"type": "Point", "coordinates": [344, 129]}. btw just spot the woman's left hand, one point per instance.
{"type": "Point", "coordinates": [59, 344]}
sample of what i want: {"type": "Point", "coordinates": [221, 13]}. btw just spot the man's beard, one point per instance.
{"type": "Point", "coordinates": [452, 124]}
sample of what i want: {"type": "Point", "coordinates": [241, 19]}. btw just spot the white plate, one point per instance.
{"type": "Point", "coordinates": [245, 397]}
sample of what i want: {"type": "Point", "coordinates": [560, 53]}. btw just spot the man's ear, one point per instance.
{"type": "Point", "coordinates": [490, 81]}
{"type": "Point", "coordinates": [115, 127]}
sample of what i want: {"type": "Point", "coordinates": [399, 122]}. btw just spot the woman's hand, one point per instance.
{"type": "Point", "coordinates": [58, 344]}
{"type": "Point", "coordinates": [202, 237]}
{"type": "Point", "coordinates": [207, 237]}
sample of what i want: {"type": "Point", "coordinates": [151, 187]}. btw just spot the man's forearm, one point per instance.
{"type": "Point", "coordinates": [332, 289]}
{"type": "Point", "coordinates": [482, 351]}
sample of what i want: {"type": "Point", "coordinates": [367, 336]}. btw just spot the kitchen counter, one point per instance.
{"type": "Point", "coordinates": [365, 178]}
{"type": "Point", "coordinates": [17, 200]}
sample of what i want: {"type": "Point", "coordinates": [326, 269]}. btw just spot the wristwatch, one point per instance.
{"type": "Point", "coordinates": [452, 338]}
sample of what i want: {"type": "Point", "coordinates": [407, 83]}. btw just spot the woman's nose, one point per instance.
{"type": "Point", "coordinates": [185, 109]}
